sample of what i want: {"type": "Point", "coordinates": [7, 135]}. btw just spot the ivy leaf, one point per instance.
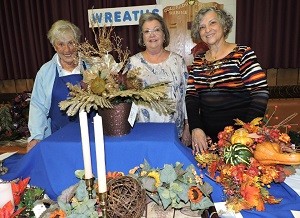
{"type": "Point", "coordinates": [168, 174]}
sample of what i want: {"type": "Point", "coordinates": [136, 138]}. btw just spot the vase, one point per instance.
{"type": "Point", "coordinates": [115, 120]}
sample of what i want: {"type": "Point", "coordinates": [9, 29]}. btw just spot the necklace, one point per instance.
{"type": "Point", "coordinates": [211, 57]}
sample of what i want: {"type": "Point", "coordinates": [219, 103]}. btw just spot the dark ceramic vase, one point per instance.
{"type": "Point", "coordinates": [115, 120]}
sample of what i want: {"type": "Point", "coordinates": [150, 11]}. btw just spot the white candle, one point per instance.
{"type": "Point", "coordinates": [85, 140]}
{"type": "Point", "coordinates": [6, 194]}
{"type": "Point", "coordinates": [100, 154]}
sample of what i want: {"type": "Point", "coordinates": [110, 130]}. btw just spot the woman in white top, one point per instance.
{"type": "Point", "coordinates": [159, 65]}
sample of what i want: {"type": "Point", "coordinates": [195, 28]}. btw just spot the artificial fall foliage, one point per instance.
{"type": "Point", "coordinates": [247, 160]}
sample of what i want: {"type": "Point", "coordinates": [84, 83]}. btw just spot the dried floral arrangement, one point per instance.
{"type": "Point", "coordinates": [173, 186]}
{"type": "Point", "coordinates": [247, 160]}
{"type": "Point", "coordinates": [104, 84]}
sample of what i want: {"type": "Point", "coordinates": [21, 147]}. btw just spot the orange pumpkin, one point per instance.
{"type": "Point", "coordinates": [268, 153]}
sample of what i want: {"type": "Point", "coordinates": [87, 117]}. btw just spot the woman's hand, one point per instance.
{"type": "Point", "coordinates": [199, 141]}
{"type": "Point", "coordinates": [186, 138]}
{"type": "Point", "coordinates": [33, 142]}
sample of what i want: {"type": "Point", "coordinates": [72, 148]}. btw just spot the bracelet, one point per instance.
{"type": "Point", "coordinates": [213, 213]}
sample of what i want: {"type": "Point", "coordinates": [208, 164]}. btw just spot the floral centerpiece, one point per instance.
{"type": "Point", "coordinates": [172, 186]}
{"type": "Point", "coordinates": [247, 160]}
{"type": "Point", "coordinates": [104, 82]}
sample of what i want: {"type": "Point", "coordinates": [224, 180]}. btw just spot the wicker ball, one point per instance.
{"type": "Point", "coordinates": [125, 198]}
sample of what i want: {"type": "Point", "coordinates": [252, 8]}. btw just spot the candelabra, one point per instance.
{"type": "Point", "coordinates": [102, 204]}
{"type": "Point", "coordinates": [90, 186]}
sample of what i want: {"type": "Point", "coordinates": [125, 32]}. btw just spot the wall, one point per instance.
{"type": "Point", "coordinates": [229, 5]}
{"type": "Point", "coordinates": [179, 15]}
{"type": "Point", "coordinates": [283, 77]}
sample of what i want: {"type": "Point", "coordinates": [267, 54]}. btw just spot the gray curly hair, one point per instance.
{"type": "Point", "coordinates": [149, 17]}
{"type": "Point", "coordinates": [60, 28]}
{"type": "Point", "coordinates": [224, 17]}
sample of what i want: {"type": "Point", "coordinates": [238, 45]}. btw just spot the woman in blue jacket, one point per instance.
{"type": "Point", "coordinates": [45, 116]}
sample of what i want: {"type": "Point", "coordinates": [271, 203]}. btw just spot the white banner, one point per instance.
{"type": "Point", "coordinates": [121, 16]}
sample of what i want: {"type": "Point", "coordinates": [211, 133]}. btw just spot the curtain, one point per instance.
{"type": "Point", "coordinates": [24, 46]}
{"type": "Point", "coordinates": [272, 29]}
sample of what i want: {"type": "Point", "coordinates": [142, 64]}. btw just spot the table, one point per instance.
{"type": "Point", "coordinates": [51, 163]}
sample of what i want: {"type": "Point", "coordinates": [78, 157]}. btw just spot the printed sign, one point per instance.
{"type": "Point", "coordinates": [121, 16]}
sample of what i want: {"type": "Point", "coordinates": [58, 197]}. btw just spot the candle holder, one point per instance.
{"type": "Point", "coordinates": [90, 186]}
{"type": "Point", "coordinates": [102, 204]}
{"type": "Point", "coordinates": [3, 170]}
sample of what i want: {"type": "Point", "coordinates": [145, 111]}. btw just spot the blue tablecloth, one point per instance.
{"type": "Point", "coordinates": [51, 163]}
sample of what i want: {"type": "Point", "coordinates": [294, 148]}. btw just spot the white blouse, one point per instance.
{"type": "Point", "coordinates": [172, 70]}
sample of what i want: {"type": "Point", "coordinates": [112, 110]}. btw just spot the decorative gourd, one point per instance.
{"type": "Point", "coordinates": [237, 153]}
{"type": "Point", "coordinates": [269, 153]}
{"type": "Point", "coordinates": [241, 136]}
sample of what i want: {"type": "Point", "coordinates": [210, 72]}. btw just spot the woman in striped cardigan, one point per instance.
{"type": "Point", "coordinates": [226, 82]}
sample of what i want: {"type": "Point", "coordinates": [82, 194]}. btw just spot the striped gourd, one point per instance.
{"type": "Point", "coordinates": [237, 153]}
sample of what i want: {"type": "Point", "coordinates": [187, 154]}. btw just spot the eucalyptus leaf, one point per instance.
{"type": "Point", "coordinates": [81, 192]}
{"type": "Point", "coordinates": [183, 192]}
{"type": "Point", "coordinates": [78, 216]}
{"type": "Point", "coordinates": [154, 196]}
{"type": "Point", "coordinates": [146, 165]}
{"type": "Point", "coordinates": [168, 174]}
{"type": "Point", "coordinates": [65, 206]}
{"type": "Point", "coordinates": [176, 187]}
{"type": "Point", "coordinates": [164, 195]}
{"type": "Point", "coordinates": [206, 189]}
{"type": "Point", "coordinates": [181, 204]}
{"type": "Point", "coordinates": [203, 204]}
{"type": "Point", "coordinates": [79, 174]}
{"type": "Point", "coordinates": [172, 194]}
{"type": "Point", "coordinates": [81, 208]}
{"type": "Point", "coordinates": [148, 183]}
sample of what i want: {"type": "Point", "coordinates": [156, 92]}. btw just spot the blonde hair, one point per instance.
{"type": "Point", "coordinates": [62, 27]}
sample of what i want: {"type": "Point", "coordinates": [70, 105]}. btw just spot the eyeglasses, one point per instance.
{"type": "Point", "coordinates": [155, 31]}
